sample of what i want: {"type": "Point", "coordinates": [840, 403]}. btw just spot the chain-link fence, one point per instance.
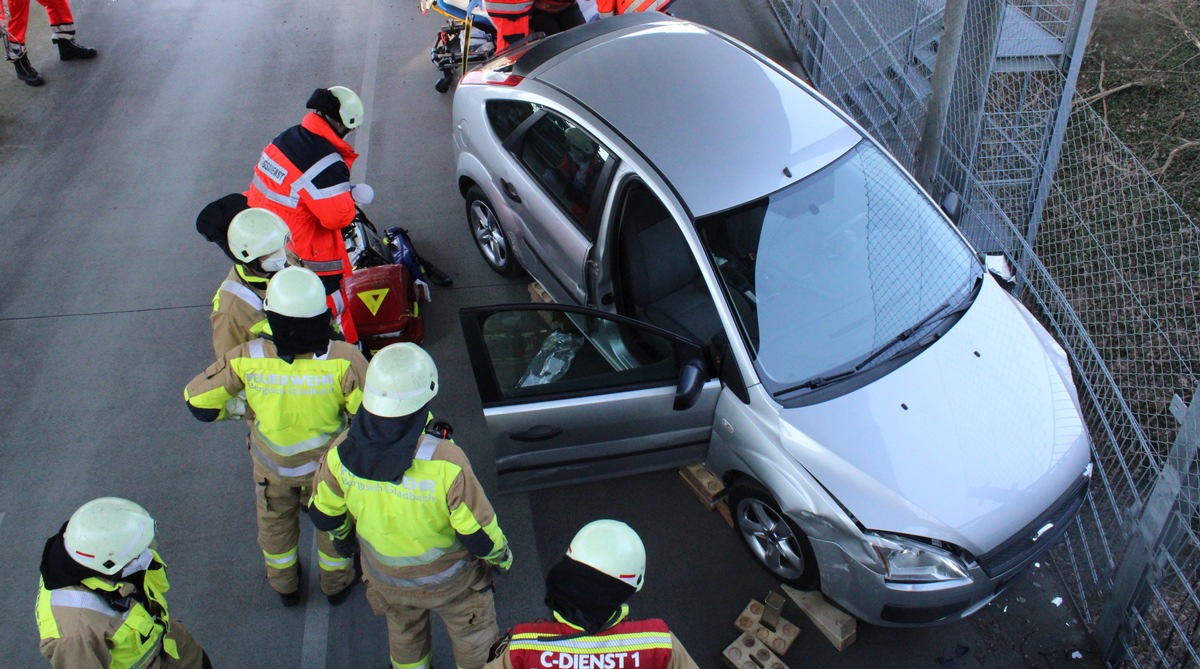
{"type": "Point", "coordinates": [1104, 256]}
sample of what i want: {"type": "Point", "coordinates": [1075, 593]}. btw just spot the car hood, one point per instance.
{"type": "Point", "coordinates": [967, 442]}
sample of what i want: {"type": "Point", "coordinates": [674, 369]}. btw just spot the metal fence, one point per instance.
{"type": "Point", "coordinates": [1108, 261]}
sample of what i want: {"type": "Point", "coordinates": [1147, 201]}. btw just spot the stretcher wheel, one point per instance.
{"type": "Point", "coordinates": [442, 85]}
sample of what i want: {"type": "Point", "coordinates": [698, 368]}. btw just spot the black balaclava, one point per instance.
{"type": "Point", "coordinates": [213, 220]}
{"type": "Point", "coordinates": [293, 336]}
{"type": "Point", "coordinates": [585, 596]}
{"type": "Point", "coordinates": [380, 448]}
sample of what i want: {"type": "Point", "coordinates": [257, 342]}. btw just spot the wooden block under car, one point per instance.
{"type": "Point", "coordinates": [749, 653]}
{"type": "Point", "coordinates": [838, 626]}
{"type": "Point", "coordinates": [704, 483]}
{"type": "Point", "coordinates": [723, 509]}
{"type": "Point", "coordinates": [537, 293]}
{"type": "Point", "coordinates": [778, 640]}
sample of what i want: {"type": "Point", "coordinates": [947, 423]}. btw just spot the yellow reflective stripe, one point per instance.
{"type": "Point", "coordinates": [410, 560]}
{"type": "Point", "coordinates": [331, 563]}
{"type": "Point", "coordinates": [47, 625]}
{"type": "Point", "coordinates": [78, 599]}
{"type": "Point", "coordinates": [280, 560]}
{"type": "Point", "coordinates": [423, 663]}
{"type": "Point", "coordinates": [264, 460]}
{"type": "Point", "coordinates": [354, 401]}
{"type": "Point", "coordinates": [300, 446]}
{"type": "Point", "coordinates": [609, 643]}
{"type": "Point", "coordinates": [261, 327]}
{"type": "Point", "coordinates": [420, 581]}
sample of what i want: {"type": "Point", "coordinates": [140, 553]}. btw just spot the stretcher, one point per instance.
{"type": "Point", "coordinates": [468, 37]}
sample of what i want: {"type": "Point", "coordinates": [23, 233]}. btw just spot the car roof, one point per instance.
{"type": "Point", "coordinates": [719, 121]}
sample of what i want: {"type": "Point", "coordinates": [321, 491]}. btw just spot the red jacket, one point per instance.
{"type": "Point", "coordinates": [642, 644]}
{"type": "Point", "coordinates": [304, 176]}
{"type": "Point", "coordinates": [511, 18]}
{"type": "Point", "coordinates": [627, 6]}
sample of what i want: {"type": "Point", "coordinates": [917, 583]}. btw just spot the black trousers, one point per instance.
{"type": "Point", "coordinates": [551, 23]}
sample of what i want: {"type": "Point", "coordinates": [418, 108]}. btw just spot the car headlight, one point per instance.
{"type": "Point", "coordinates": [908, 561]}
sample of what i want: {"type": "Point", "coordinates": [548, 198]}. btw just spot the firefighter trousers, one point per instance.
{"type": "Point", "coordinates": [279, 503]}
{"type": "Point", "coordinates": [464, 602]}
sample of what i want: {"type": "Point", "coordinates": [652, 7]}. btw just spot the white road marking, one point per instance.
{"type": "Point", "coordinates": [363, 143]}
{"type": "Point", "coordinates": [316, 614]}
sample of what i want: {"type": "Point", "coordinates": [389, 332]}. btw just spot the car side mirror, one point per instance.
{"type": "Point", "coordinates": [998, 266]}
{"type": "Point", "coordinates": [691, 381]}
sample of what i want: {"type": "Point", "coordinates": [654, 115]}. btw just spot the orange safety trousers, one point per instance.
{"type": "Point", "coordinates": [18, 16]}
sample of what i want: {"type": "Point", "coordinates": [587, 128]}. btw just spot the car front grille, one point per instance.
{"type": "Point", "coordinates": [1026, 545]}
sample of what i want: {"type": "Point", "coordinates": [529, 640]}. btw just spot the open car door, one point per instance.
{"type": "Point", "coordinates": [572, 394]}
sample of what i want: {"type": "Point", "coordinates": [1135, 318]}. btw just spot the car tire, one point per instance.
{"type": "Point", "coordinates": [772, 538]}
{"type": "Point", "coordinates": [489, 235]}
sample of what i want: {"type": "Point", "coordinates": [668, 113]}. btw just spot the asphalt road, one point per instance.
{"type": "Point", "coordinates": [104, 299]}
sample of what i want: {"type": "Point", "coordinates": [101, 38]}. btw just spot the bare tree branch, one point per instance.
{"type": "Point", "coordinates": [1115, 89]}
{"type": "Point", "coordinates": [1190, 144]}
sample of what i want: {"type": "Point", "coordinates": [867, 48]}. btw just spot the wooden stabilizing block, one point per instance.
{"type": "Point", "coordinates": [537, 293]}
{"type": "Point", "coordinates": [838, 626]}
{"type": "Point", "coordinates": [723, 509]}
{"type": "Point", "coordinates": [778, 640]}
{"type": "Point", "coordinates": [707, 487]}
{"type": "Point", "coordinates": [750, 653]}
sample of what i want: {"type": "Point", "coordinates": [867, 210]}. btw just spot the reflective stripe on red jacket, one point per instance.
{"type": "Point", "coordinates": [511, 18]}
{"type": "Point", "coordinates": [304, 176]}
{"type": "Point", "coordinates": [641, 644]}
{"type": "Point", "coordinates": [553, 6]}
{"type": "Point", "coordinates": [627, 6]}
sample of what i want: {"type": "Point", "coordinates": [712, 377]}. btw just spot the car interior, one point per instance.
{"type": "Point", "coordinates": [659, 281]}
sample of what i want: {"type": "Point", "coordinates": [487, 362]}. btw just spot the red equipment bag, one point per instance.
{"type": "Point", "coordinates": [384, 306]}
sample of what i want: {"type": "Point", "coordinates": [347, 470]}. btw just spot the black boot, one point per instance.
{"type": "Point", "coordinates": [26, 73]}
{"type": "Point", "coordinates": [69, 50]}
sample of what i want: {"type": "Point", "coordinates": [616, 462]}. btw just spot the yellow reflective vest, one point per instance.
{"type": "Point", "coordinates": [80, 628]}
{"type": "Point", "coordinates": [299, 407]}
{"type": "Point", "coordinates": [408, 530]}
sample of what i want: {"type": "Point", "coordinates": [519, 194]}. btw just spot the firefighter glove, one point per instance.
{"type": "Point", "coordinates": [347, 546]}
{"type": "Point", "coordinates": [504, 563]}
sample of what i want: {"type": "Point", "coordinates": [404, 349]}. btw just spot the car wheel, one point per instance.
{"type": "Point", "coordinates": [489, 236]}
{"type": "Point", "coordinates": [774, 540]}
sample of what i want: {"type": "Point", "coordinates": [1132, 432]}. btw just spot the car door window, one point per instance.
{"type": "Point", "coordinates": [506, 115]}
{"type": "Point", "coordinates": [567, 162]}
{"type": "Point", "coordinates": [535, 352]}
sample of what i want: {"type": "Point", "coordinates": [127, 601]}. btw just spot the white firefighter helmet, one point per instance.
{"type": "Point", "coordinates": [611, 547]}
{"type": "Point", "coordinates": [108, 533]}
{"type": "Point", "coordinates": [350, 107]}
{"type": "Point", "coordinates": [259, 233]}
{"type": "Point", "coordinates": [401, 379]}
{"type": "Point", "coordinates": [295, 292]}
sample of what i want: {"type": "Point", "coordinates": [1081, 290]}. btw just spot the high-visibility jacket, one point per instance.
{"type": "Point", "coordinates": [304, 176]}
{"type": "Point", "coordinates": [511, 18]}
{"type": "Point", "coordinates": [237, 316]}
{"type": "Point", "coordinates": [299, 407]}
{"type": "Point", "coordinates": [412, 531]}
{"type": "Point", "coordinates": [630, 644]}
{"type": "Point", "coordinates": [85, 625]}
{"type": "Point", "coordinates": [627, 6]}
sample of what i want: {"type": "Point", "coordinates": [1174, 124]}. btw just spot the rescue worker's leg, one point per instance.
{"type": "Point", "coordinates": [471, 621]}
{"type": "Point", "coordinates": [181, 650]}
{"type": "Point", "coordinates": [278, 531]}
{"type": "Point", "coordinates": [337, 572]}
{"type": "Point", "coordinates": [409, 641]}
{"type": "Point", "coordinates": [62, 26]}
{"type": "Point", "coordinates": [15, 52]}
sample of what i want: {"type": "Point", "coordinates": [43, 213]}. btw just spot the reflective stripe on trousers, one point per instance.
{"type": "Point", "coordinates": [283, 472]}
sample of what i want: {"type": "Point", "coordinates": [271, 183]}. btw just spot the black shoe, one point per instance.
{"type": "Point", "coordinates": [337, 598]}
{"type": "Point", "coordinates": [289, 599]}
{"type": "Point", "coordinates": [26, 73]}
{"type": "Point", "coordinates": [69, 50]}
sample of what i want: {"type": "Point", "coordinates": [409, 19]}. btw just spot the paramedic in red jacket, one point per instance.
{"type": "Point", "coordinates": [607, 8]}
{"type": "Point", "coordinates": [304, 176]}
{"type": "Point", "coordinates": [515, 19]}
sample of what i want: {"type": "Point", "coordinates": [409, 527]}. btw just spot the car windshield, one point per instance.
{"type": "Point", "coordinates": [825, 272]}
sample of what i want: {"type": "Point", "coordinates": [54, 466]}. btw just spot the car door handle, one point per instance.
{"type": "Point", "coordinates": [509, 191]}
{"type": "Point", "coordinates": [536, 433]}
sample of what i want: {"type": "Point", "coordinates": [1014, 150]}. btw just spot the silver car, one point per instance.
{"type": "Point", "coordinates": [742, 277]}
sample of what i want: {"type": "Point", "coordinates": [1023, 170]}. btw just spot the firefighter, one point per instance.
{"type": "Point", "coordinates": [101, 601]}
{"type": "Point", "coordinates": [62, 30]}
{"type": "Point", "coordinates": [303, 388]}
{"type": "Point", "coordinates": [256, 239]}
{"type": "Point", "coordinates": [608, 8]}
{"type": "Point", "coordinates": [586, 592]}
{"type": "Point", "coordinates": [410, 501]}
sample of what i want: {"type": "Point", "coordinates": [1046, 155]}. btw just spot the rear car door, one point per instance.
{"type": "Point", "coordinates": [555, 181]}
{"type": "Point", "coordinates": [572, 394]}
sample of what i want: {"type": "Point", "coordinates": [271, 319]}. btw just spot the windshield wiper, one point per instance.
{"type": "Point", "coordinates": [937, 314]}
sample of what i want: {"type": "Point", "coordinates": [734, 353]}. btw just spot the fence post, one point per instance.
{"type": "Point", "coordinates": [1139, 567]}
{"type": "Point", "coordinates": [944, 70]}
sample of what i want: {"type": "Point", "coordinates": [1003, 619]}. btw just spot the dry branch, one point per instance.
{"type": "Point", "coordinates": [1115, 89]}
{"type": "Point", "coordinates": [1190, 144]}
